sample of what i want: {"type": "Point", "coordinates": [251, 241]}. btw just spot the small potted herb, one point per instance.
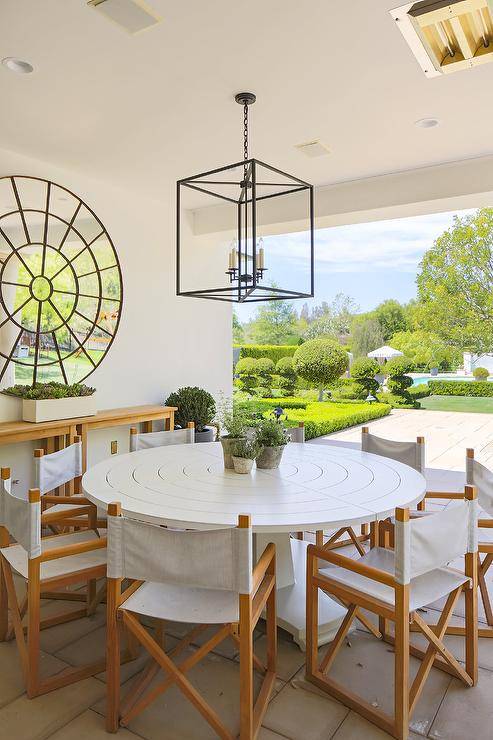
{"type": "Point", "coordinates": [244, 452]}
{"type": "Point", "coordinates": [233, 424]}
{"type": "Point", "coordinates": [272, 438]}
{"type": "Point", "coordinates": [197, 405]}
{"type": "Point", "coordinates": [53, 401]}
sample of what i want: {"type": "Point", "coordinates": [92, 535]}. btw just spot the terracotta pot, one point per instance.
{"type": "Point", "coordinates": [242, 465]}
{"type": "Point", "coordinates": [270, 457]}
{"type": "Point", "coordinates": [227, 444]}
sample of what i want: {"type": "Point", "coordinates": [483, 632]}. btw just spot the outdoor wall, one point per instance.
{"type": "Point", "coordinates": [163, 341]}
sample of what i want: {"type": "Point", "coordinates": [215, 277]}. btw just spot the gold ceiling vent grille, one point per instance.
{"type": "Point", "coordinates": [447, 35]}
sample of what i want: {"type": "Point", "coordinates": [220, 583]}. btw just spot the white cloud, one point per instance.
{"type": "Point", "coordinates": [398, 244]}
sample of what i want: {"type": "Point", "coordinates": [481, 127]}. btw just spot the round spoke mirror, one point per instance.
{"type": "Point", "coordinates": [60, 284]}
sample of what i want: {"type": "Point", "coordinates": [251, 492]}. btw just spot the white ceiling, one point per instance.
{"type": "Point", "coordinates": [145, 110]}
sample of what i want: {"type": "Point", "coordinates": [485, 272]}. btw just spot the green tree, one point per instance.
{"type": "Point", "coordinates": [333, 320]}
{"type": "Point", "coordinates": [366, 336]}
{"type": "Point", "coordinates": [238, 333]}
{"type": "Point", "coordinates": [273, 323]}
{"type": "Point", "coordinates": [455, 283]}
{"type": "Point", "coordinates": [391, 316]}
{"type": "Point", "coordinates": [320, 361]}
{"type": "Point", "coordinates": [363, 372]}
{"type": "Point", "coordinates": [427, 349]}
{"type": "Point", "coordinates": [287, 375]}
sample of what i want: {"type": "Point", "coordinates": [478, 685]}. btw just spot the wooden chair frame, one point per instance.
{"type": "Point", "coordinates": [484, 548]}
{"type": "Point", "coordinates": [28, 639]}
{"type": "Point", "coordinates": [140, 695]}
{"type": "Point", "coordinates": [437, 655]}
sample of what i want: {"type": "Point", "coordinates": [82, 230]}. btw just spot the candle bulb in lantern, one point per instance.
{"type": "Point", "coordinates": [260, 257]}
{"type": "Point", "coordinates": [234, 257]}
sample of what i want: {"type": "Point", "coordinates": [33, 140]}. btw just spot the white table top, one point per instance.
{"type": "Point", "coordinates": [316, 487]}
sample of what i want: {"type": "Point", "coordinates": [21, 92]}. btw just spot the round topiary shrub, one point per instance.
{"type": "Point", "coordinates": [481, 373]}
{"type": "Point", "coordinates": [363, 371]}
{"type": "Point", "coordinates": [287, 375]}
{"type": "Point", "coordinates": [320, 361]}
{"type": "Point", "coordinates": [246, 369]}
{"type": "Point", "coordinates": [194, 404]}
{"type": "Point", "coordinates": [398, 382]}
{"type": "Point", "coordinates": [265, 369]}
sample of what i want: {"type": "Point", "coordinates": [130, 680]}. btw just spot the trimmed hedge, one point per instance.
{"type": "Point", "coordinates": [273, 351]}
{"type": "Point", "coordinates": [325, 418]}
{"type": "Point", "coordinates": [460, 388]}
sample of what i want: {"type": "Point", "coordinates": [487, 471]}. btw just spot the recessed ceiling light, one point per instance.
{"type": "Point", "coordinates": [427, 122]}
{"type": "Point", "coordinates": [315, 148]}
{"type": "Point", "coordinates": [17, 65]}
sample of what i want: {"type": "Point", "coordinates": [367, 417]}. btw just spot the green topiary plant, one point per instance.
{"type": "Point", "coordinates": [321, 361]}
{"type": "Point", "coordinates": [265, 369]}
{"type": "Point", "coordinates": [194, 404]}
{"type": "Point", "coordinates": [247, 370]}
{"type": "Point", "coordinates": [45, 391]}
{"type": "Point", "coordinates": [363, 371]}
{"type": "Point", "coordinates": [287, 375]}
{"type": "Point", "coordinates": [398, 382]}
{"type": "Point", "coordinates": [481, 373]}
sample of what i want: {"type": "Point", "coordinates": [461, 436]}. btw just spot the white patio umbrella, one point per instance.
{"type": "Point", "coordinates": [385, 353]}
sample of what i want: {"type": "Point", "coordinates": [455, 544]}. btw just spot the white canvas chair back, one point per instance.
{"type": "Point", "coordinates": [431, 542]}
{"type": "Point", "coordinates": [215, 559]}
{"type": "Point", "coordinates": [297, 434]}
{"type": "Point", "coordinates": [409, 453]}
{"type": "Point", "coordinates": [481, 477]}
{"type": "Point", "coordinates": [21, 518]}
{"type": "Point", "coordinates": [147, 440]}
{"type": "Point", "coordinates": [58, 468]}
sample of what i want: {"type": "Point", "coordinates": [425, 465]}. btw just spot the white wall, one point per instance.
{"type": "Point", "coordinates": [163, 342]}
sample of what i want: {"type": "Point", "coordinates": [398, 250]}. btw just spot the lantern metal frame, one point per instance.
{"type": "Point", "coordinates": [246, 283]}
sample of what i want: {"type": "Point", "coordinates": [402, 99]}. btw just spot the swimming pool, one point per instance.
{"type": "Point", "coordinates": [425, 378]}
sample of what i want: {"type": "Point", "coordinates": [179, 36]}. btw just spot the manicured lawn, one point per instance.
{"type": "Point", "coordinates": [471, 404]}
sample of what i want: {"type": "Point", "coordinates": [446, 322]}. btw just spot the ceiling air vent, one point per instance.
{"type": "Point", "coordinates": [132, 15]}
{"type": "Point", "coordinates": [447, 35]}
{"type": "Point", "coordinates": [314, 148]}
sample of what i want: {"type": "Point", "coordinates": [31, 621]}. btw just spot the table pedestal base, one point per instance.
{"type": "Point", "coordinates": [291, 599]}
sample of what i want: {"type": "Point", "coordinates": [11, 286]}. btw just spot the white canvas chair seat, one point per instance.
{"type": "Point", "coordinates": [60, 508]}
{"type": "Point", "coordinates": [179, 604]}
{"type": "Point", "coordinates": [438, 479]}
{"type": "Point", "coordinates": [149, 440]}
{"type": "Point", "coordinates": [16, 555]}
{"type": "Point", "coordinates": [423, 589]}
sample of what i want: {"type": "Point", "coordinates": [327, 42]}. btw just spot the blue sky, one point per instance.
{"type": "Point", "coordinates": [368, 262]}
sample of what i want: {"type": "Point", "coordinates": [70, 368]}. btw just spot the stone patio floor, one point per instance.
{"type": "Point", "coordinates": [447, 710]}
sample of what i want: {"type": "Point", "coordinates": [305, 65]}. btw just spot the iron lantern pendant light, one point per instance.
{"type": "Point", "coordinates": [221, 215]}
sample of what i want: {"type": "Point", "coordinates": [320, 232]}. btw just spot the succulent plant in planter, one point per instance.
{"type": "Point", "coordinates": [197, 405]}
{"type": "Point", "coordinates": [244, 452]}
{"type": "Point", "coordinates": [52, 401]}
{"type": "Point", "coordinates": [272, 438]}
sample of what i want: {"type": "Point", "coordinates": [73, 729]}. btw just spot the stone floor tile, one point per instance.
{"type": "Point", "coordinates": [266, 734]}
{"type": "Point", "coordinates": [466, 712]}
{"type": "Point", "coordinates": [357, 667]}
{"type": "Point", "coordinates": [173, 717]}
{"type": "Point", "coordinates": [36, 719]}
{"type": "Point", "coordinates": [289, 657]}
{"type": "Point", "coordinates": [56, 638]}
{"type": "Point", "coordinates": [89, 724]}
{"type": "Point", "coordinates": [11, 678]}
{"type": "Point", "coordinates": [301, 714]}
{"type": "Point", "coordinates": [355, 727]}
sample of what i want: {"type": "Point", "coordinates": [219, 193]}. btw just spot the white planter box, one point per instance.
{"type": "Point", "coordinates": [53, 409]}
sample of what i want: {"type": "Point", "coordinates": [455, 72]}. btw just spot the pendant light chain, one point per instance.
{"type": "Point", "coordinates": [245, 131]}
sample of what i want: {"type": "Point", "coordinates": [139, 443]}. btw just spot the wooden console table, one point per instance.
{"type": "Point", "coordinates": [55, 435]}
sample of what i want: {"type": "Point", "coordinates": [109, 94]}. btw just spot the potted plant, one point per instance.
{"type": "Point", "coordinates": [53, 401]}
{"type": "Point", "coordinates": [244, 452]}
{"type": "Point", "coordinates": [197, 405]}
{"type": "Point", "coordinates": [233, 423]}
{"type": "Point", "coordinates": [272, 438]}
{"type": "Point", "coordinates": [481, 373]}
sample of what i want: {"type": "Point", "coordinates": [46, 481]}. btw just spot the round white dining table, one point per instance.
{"type": "Point", "coordinates": [317, 486]}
